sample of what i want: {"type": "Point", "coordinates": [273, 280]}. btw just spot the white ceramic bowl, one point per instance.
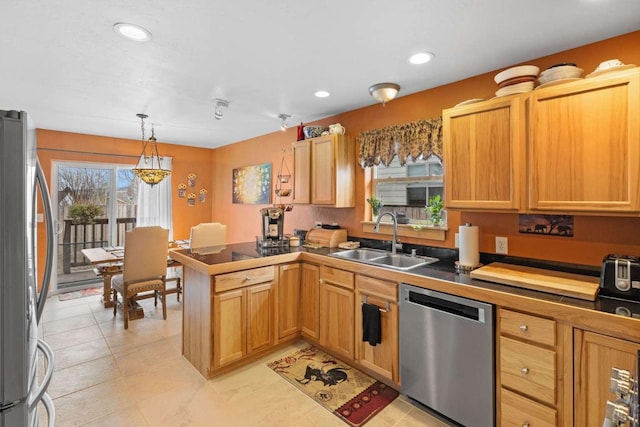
{"type": "Point", "coordinates": [521, 70]}
{"type": "Point", "coordinates": [516, 88]}
{"type": "Point", "coordinates": [559, 73]}
{"type": "Point", "coordinates": [611, 63]}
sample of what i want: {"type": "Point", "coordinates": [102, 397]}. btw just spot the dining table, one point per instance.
{"type": "Point", "coordinates": [109, 261]}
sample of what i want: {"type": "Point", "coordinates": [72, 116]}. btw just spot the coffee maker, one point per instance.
{"type": "Point", "coordinates": [272, 223]}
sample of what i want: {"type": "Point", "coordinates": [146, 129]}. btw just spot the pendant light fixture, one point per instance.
{"type": "Point", "coordinates": [149, 169]}
{"type": "Point", "coordinates": [384, 92]}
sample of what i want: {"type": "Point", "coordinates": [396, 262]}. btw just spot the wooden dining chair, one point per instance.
{"type": "Point", "coordinates": [144, 268]}
{"type": "Point", "coordinates": [208, 234]}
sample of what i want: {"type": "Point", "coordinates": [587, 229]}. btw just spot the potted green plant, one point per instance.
{"type": "Point", "coordinates": [375, 204]}
{"type": "Point", "coordinates": [434, 210]}
{"type": "Point", "coordinates": [84, 213]}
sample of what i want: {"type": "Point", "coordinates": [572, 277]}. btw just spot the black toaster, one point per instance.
{"type": "Point", "coordinates": [620, 277]}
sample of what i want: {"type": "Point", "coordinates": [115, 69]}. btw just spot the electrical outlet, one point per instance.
{"type": "Point", "coordinates": [502, 245]}
{"type": "Point", "coordinates": [456, 240]}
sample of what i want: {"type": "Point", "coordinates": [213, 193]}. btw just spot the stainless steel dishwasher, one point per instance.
{"type": "Point", "coordinates": [447, 354]}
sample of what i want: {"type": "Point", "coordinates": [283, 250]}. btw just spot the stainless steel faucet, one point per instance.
{"type": "Point", "coordinates": [394, 243]}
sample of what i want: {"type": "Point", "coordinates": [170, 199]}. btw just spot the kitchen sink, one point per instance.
{"type": "Point", "coordinates": [402, 261]}
{"type": "Point", "coordinates": [360, 254]}
{"type": "Point", "coordinates": [384, 258]}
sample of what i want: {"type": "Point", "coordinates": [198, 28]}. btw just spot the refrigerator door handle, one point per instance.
{"type": "Point", "coordinates": [48, 354]}
{"type": "Point", "coordinates": [51, 410]}
{"type": "Point", "coordinates": [48, 216]}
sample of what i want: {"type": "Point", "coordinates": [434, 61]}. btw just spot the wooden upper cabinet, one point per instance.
{"type": "Point", "coordinates": [584, 150]}
{"type": "Point", "coordinates": [483, 148]}
{"type": "Point", "coordinates": [324, 171]}
{"type": "Point", "coordinates": [302, 171]}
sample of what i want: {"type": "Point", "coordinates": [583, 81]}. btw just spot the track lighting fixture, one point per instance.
{"type": "Point", "coordinates": [284, 118]}
{"type": "Point", "coordinates": [219, 104]}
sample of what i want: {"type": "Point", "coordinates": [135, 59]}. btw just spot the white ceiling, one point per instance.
{"type": "Point", "coordinates": [62, 62]}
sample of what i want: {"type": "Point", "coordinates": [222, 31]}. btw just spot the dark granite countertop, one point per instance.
{"type": "Point", "coordinates": [444, 269]}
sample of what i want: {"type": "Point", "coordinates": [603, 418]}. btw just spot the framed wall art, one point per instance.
{"type": "Point", "coordinates": [252, 184]}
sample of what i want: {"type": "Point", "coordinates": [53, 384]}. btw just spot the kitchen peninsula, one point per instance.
{"type": "Point", "coordinates": [240, 304]}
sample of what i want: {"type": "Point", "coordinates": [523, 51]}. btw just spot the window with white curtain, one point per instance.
{"type": "Point", "coordinates": [154, 203]}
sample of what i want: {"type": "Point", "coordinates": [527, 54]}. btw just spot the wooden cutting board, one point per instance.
{"type": "Point", "coordinates": [538, 279]}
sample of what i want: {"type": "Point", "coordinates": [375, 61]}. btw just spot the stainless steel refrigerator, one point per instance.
{"type": "Point", "coordinates": [22, 298]}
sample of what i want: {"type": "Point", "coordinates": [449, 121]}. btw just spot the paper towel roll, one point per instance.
{"type": "Point", "coordinates": [468, 236]}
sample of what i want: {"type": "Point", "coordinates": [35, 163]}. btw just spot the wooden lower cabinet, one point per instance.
{"type": "Point", "coordinates": [518, 411]}
{"type": "Point", "coordinates": [288, 300]}
{"type": "Point", "coordinates": [310, 301]}
{"type": "Point", "coordinates": [381, 358]}
{"type": "Point", "coordinates": [530, 370]}
{"type": "Point", "coordinates": [336, 311]}
{"type": "Point", "coordinates": [242, 315]}
{"type": "Point", "coordinates": [594, 356]}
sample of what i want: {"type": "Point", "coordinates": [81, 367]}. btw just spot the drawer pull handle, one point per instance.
{"type": "Point", "coordinates": [524, 328]}
{"type": "Point", "coordinates": [247, 279]}
{"type": "Point", "coordinates": [525, 424]}
{"type": "Point", "coordinates": [525, 371]}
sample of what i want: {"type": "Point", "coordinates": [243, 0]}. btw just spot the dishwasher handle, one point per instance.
{"type": "Point", "coordinates": [462, 310]}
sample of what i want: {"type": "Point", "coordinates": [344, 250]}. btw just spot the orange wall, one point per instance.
{"type": "Point", "coordinates": [594, 236]}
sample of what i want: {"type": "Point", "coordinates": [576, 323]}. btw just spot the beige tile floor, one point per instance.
{"type": "Point", "coordinates": [106, 376]}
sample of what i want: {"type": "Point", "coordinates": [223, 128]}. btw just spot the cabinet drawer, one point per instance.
{"type": "Point", "coordinates": [336, 277]}
{"type": "Point", "coordinates": [528, 369]}
{"type": "Point", "coordinates": [518, 411]}
{"type": "Point", "coordinates": [379, 288]}
{"type": "Point", "coordinates": [240, 279]}
{"type": "Point", "coordinates": [528, 327]}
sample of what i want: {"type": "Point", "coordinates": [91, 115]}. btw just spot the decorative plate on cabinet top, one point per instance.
{"type": "Point", "coordinates": [469, 101]}
{"type": "Point", "coordinates": [609, 70]}
{"type": "Point", "coordinates": [558, 82]}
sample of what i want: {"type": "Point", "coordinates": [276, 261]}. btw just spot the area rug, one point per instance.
{"type": "Point", "coordinates": [80, 294]}
{"type": "Point", "coordinates": [351, 395]}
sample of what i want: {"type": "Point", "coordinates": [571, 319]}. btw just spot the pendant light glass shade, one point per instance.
{"type": "Point", "coordinates": [149, 168]}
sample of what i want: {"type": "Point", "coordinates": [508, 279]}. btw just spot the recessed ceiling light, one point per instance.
{"type": "Point", "coordinates": [132, 32]}
{"type": "Point", "coordinates": [322, 94]}
{"type": "Point", "coordinates": [420, 58]}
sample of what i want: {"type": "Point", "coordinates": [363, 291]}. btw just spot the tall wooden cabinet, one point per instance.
{"type": "Point", "coordinates": [483, 148]}
{"type": "Point", "coordinates": [584, 154]}
{"type": "Point", "coordinates": [324, 171]}
{"type": "Point", "coordinates": [594, 356]}
{"type": "Point", "coordinates": [336, 311]}
{"type": "Point", "coordinates": [288, 300]}
{"type": "Point", "coordinates": [383, 357]}
{"type": "Point", "coordinates": [310, 301]}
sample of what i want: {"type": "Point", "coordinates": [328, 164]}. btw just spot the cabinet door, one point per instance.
{"type": "Point", "coordinates": [302, 172]}
{"type": "Point", "coordinates": [229, 327]}
{"type": "Point", "coordinates": [310, 301]}
{"type": "Point", "coordinates": [594, 357]}
{"type": "Point", "coordinates": [259, 317]}
{"type": "Point", "coordinates": [323, 177]}
{"type": "Point", "coordinates": [288, 304]}
{"type": "Point", "coordinates": [381, 358]}
{"type": "Point", "coordinates": [336, 319]}
{"type": "Point", "coordinates": [483, 148]}
{"type": "Point", "coordinates": [584, 152]}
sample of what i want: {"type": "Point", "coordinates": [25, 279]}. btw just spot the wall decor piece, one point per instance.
{"type": "Point", "coordinates": [191, 199]}
{"type": "Point", "coordinates": [192, 179]}
{"type": "Point", "coordinates": [202, 195]}
{"type": "Point", "coordinates": [182, 190]}
{"type": "Point", "coordinates": [252, 184]}
{"type": "Point", "coordinates": [554, 225]}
